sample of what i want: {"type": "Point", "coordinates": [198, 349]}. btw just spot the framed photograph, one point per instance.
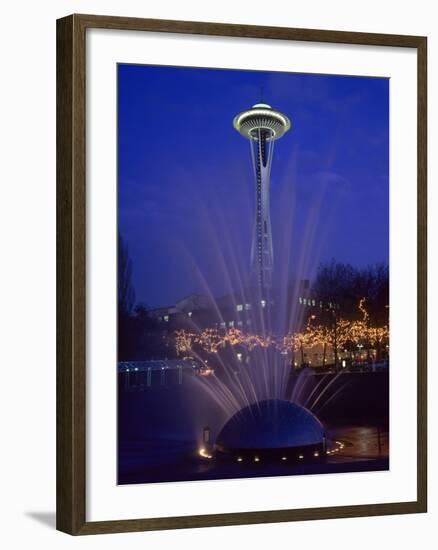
{"type": "Point", "coordinates": [241, 274]}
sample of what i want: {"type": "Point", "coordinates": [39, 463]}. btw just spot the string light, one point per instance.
{"type": "Point", "coordinates": [338, 335]}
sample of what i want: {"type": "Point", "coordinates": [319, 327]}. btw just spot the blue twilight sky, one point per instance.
{"type": "Point", "coordinates": [185, 181]}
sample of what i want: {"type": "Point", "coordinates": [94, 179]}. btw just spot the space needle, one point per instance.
{"type": "Point", "coordinates": [262, 125]}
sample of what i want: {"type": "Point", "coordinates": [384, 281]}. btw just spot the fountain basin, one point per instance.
{"type": "Point", "coordinates": [274, 429]}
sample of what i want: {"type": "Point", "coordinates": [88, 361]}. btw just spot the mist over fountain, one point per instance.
{"type": "Point", "coordinates": [262, 405]}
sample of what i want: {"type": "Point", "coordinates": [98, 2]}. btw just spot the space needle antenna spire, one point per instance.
{"type": "Point", "coordinates": [262, 126]}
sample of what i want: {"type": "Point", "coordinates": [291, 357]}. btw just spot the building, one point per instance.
{"type": "Point", "coordinates": [262, 126]}
{"type": "Point", "coordinates": [244, 310]}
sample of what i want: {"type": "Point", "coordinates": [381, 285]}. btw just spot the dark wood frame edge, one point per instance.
{"type": "Point", "coordinates": [71, 261]}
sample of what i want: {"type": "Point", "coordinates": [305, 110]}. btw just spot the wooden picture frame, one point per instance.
{"type": "Point", "coordinates": [71, 274]}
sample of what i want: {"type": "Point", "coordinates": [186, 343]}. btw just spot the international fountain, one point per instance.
{"type": "Point", "coordinates": [266, 421]}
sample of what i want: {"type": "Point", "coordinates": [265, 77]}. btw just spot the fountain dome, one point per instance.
{"type": "Point", "coordinates": [271, 426]}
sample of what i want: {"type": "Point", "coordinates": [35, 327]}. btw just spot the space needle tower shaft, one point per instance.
{"type": "Point", "coordinates": [262, 125]}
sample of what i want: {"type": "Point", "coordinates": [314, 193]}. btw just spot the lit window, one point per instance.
{"type": "Point", "coordinates": [263, 303]}
{"type": "Point", "coordinates": [300, 300]}
{"type": "Point", "coordinates": [239, 307]}
{"type": "Point", "coordinates": [231, 324]}
{"type": "Point", "coordinates": [313, 302]}
{"type": "Point", "coordinates": [166, 318]}
{"type": "Point", "coordinates": [189, 313]}
{"type": "Point", "coordinates": [247, 306]}
{"type": "Point", "coordinates": [223, 325]}
{"type": "Point", "coordinates": [239, 356]}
